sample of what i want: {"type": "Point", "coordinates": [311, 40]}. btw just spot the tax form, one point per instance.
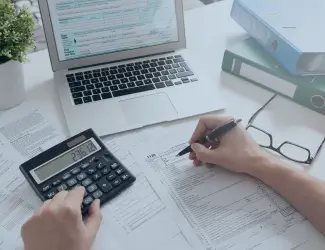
{"type": "Point", "coordinates": [28, 129]}
{"type": "Point", "coordinates": [139, 218]}
{"type": "Point", "coordinates": [17, 199]}
{"type": "Point", "coordinates": [25, 131]}
{"type": "Point", "coordinates": [225, 210]}
{"type": "Point", "coordinates": [87, 28]}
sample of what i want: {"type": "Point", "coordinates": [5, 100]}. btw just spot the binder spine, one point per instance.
{"type": "Point", "coordinates": [284, 53]}
{"type": "Point", "coordinates": [307, 96]}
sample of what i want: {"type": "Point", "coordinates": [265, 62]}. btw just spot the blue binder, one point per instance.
{"type": "Point", "coordinates": [291, 31]}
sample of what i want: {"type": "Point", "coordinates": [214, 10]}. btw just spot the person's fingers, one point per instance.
{"type": "Point", "coordinates": [94, 219]}
{"type": "Point", "coordinates": [203, 154]}
{"type": "Point", "coordinates": [197, 163]}
{"type": "Point", "coordinates": [192, 156]}
{"type": "Point", "coordinates": [207, 123]}
{"type": "Point", "coordinates": [75, 196]}
{"type": "Point", "coordinates": [58, 199]}
{"type": "Point", "coordinates": [44, 205]}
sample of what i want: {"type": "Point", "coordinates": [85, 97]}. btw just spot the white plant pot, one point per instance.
{"type": "Point", "coordinates": [12, 88]}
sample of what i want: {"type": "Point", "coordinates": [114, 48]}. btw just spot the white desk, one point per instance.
{"type": "Point", "coordinates": [209, 30]}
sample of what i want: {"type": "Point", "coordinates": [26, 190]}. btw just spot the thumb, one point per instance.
{"type": "Point", "coordinates": [203, 154]}
{"type": "Point", "coordinates": [94, 219]}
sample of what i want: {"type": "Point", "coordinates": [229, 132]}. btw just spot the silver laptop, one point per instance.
{"type": "Point", "coordinates": [120, 65]}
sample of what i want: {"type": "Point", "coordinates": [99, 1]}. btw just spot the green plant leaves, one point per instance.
{"type": "Point", "coordinates": [16, 33]}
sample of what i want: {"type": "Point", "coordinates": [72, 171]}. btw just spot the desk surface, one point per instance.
{"type": "Point", "coordinates": [207, 39]}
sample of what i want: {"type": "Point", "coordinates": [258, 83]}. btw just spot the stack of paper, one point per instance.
{"type": "Point", "coordinates": [172, 205]}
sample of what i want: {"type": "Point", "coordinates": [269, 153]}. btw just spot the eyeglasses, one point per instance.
{"type": "Point", "coordinates": [289, 150]}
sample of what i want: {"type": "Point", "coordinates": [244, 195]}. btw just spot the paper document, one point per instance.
{"type": "Point", "coordinates": [24, 132]}
{"type": "Point", "coordinates": [225, 210]}
{"type": "Point", "coordinates": [138, 218]}
{"type": "Point", "coordinates": [28, 129]}
{"type": "Point", "coordinates": [17, 199]}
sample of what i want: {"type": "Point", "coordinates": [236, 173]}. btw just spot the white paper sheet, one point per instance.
{"type": "Point", "coordinates": [226, 210]}
{"type": "Point", "coordinates": [17, 199]}
{"type": "Point", "coordinates": [29, 129]}
{"type": "Point", "coordinates": [25, 131]}
{"type": "Point", "coordinates": [138, 218]}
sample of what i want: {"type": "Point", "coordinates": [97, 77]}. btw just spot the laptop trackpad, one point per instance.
{"type": "Point", "coordinates": [148, 109]}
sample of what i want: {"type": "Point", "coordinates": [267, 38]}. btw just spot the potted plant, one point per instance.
{"type": "Point", "coordinates": [16, 39]}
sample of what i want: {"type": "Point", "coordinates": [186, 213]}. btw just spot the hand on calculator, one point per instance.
{"type": "Point", "coordinates": [58, 224]}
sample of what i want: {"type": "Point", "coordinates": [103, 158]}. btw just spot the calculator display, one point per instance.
{"type": "Point", "coordinates": [65, 160]}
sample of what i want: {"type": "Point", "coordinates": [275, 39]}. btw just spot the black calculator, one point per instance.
{"type": "Point", "coordinates": [82, 160]}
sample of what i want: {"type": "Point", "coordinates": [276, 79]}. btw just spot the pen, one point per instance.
{"type": "Point", "coordinates": [217, 132]}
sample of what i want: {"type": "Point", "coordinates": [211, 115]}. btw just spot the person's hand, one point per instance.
{"type": "Point", "coordinates": [236, 150]}
{"type": "Point", "coordinates": [58, 224]}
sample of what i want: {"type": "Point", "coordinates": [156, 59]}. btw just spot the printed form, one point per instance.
{"type": "Point", "coordinates": [139, 218]}
{"type": "Point", "coordinates": [87, 28]}
{"type": "Point", "coordinates": [226, 210]}
{"type": "Point", "coordinates": [24, 132]}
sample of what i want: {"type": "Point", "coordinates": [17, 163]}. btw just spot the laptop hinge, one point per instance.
{"type": "Point", "coordinates": [133, 58]}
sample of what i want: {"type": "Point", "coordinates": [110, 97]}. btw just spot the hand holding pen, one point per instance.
{"type": "Point", "coordinates": [214, 136]}
{"type": "Point", "coordinates": [237, 151]}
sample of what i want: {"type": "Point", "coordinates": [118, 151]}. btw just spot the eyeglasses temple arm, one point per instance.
{"type": "Point", "coordinates": [260, 109]}
{"type": "Point", "coordinates": [319, 149]}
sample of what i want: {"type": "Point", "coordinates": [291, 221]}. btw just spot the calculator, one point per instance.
{"type": "Point", "coordinates": [82, 160]}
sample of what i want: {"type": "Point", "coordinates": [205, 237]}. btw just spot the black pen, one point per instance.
{"type": "Point", "coordinates": [215, 134]}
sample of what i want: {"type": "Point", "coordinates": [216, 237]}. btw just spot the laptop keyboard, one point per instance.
{"type": "Point", "coordinates": [125, 79]}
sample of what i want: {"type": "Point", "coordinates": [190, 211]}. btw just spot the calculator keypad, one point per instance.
{"type": "Point", "coordinates": [46, 188]}
{"type": "Point", "coordinates": [86, 182]}
{"type": "Point", "coordinates": [102, 177]}
{"type": "Point", "coordinates": [75, 171]}
{"type": "Point", "coordinates": [66, 177]}
{"type": "Point", "coordinates": [105, 186]}
{"type": "Point", "coordinates": [56, 183]}
{"type": "Point", "coordinates": [96, 176]}
{"type": "Point", "coordinates": [72, 182]}
{"type": "Point", "coordinates": [62, 188]}
{"type": "Point", "coordinates": [111, 176]}
{"type": "Point", "coordinates": [81, 176]}
{"type": "Point", "coordinates": [92, 188]}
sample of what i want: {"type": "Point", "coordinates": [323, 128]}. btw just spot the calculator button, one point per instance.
{"type": "Point", "coordinates": [88, 200]}
{"type": "Point", "coordinates": [117, 182]}
{"type": "Point", "coordinates": [86, 182]}
{"type": "Point", "coordinates": [66, 177]}
{"type": "Point", "coordinates": [111, 177]}
{"type": "Point", "coordinates": [51, 194]}
{"type": "Point", "coordinates": [91, 171]}
{"type": "Point", "coordinates": [104, 186]}
{"type": "Point", "coordinates": [75, 171]}
{"type": "Point", "coordinates": [125, 177]}
{"type": "Point", "coordinates": [46, 188]}
{"type": "Point", "coordinates": [94, 159]}
{"type": "Point", "coordinates": [72, 182]}
{"type": "Point", "coordinates": [56, 183]}
{"type": "Point", "coordinates": [62, 187]}
{"type": "Point", "coordinates": [101, 165]}
{"type": "Point", "coordinates": [120, 171]}
{"type": "Point", "coordinates": [96, 176]}
{"type": "Point", "coordinates": [81, 176]}
{"type": "Point", "coordinates": [105, 171]}
{"type": "Point", "coordinates": [97, 194]}
{"type": "Point", "coordinates": [114, 166]}
{"type": "Point", "coordinates": [84, 166]}
{"type": "Point", "coordinates": [92, 188]}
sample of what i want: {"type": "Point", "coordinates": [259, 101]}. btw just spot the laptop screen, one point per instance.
{"type": "Point", "coordinates": [85, 28]}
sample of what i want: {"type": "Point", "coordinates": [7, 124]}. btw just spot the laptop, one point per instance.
{"type": "Point", "coordinates": [123, 64]}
